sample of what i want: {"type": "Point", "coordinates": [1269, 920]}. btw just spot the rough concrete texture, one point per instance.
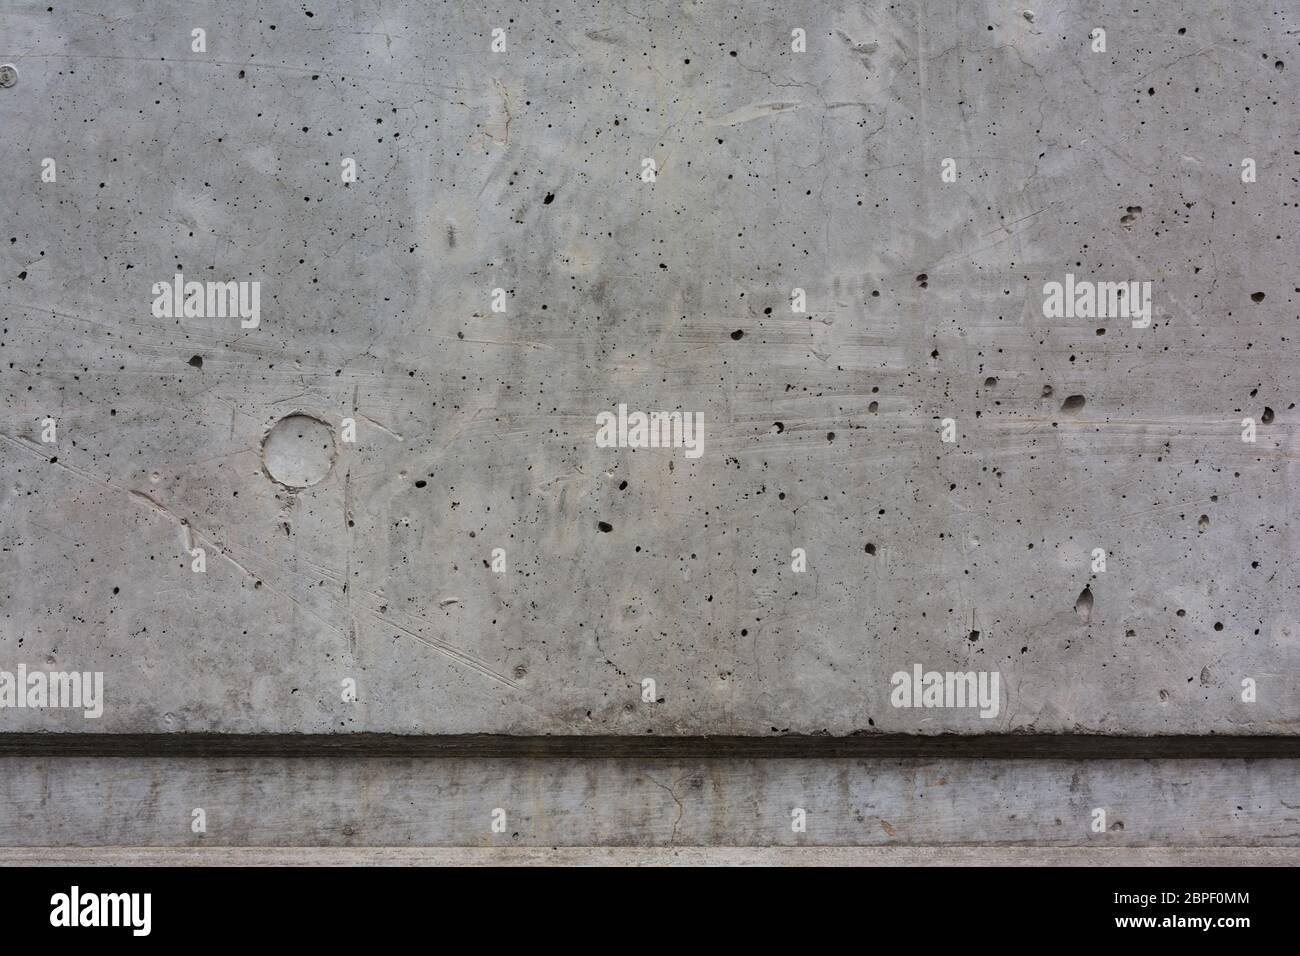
{"type": "Point", "coordinates": [648, 856]}
{"type": "Point", "coordinates": [329, 560]}
{"type": "Point", "coordinates": [582, 803]}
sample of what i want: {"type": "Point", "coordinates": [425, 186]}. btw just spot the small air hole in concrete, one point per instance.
{"type": "Point", "coordinates": [1083, 606]}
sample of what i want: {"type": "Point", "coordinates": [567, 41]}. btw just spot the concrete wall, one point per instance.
{"type": "Point", "coordinates": [1167, 158]}
{"type": "Point", "coordinates": [655, 803]}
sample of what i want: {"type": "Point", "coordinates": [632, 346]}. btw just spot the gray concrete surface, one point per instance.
{"type": "Point", "coordinates": [521, 170]}
{"type": "Point", "coordinates": [647, 856]}
{"type": "Point", "coordinates": [76, 802]}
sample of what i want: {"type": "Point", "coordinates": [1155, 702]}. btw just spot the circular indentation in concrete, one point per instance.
{"type": "Point", "coordinates": [8, 75]}
{"type": "Point", "coordinates": [298, 451]}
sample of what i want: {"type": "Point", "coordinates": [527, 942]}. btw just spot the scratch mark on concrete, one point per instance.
{"type": "Point", "coordinates": [449, 650]}
{"type": "Point", "coordinates": [382, 428]}
{"type": "Point", "coordinates": [755, 111]}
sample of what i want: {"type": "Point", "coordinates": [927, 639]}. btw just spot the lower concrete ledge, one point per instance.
{"type": "Point", "coordinates": [641, 856]}
{"type": "Point", "coordinates": [194, 804]}
{"type": "Point", "coordinates": [359, 746]}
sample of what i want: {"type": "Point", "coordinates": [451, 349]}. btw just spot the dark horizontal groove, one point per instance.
{"type": "Point", "coordinates": [361, 746]}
